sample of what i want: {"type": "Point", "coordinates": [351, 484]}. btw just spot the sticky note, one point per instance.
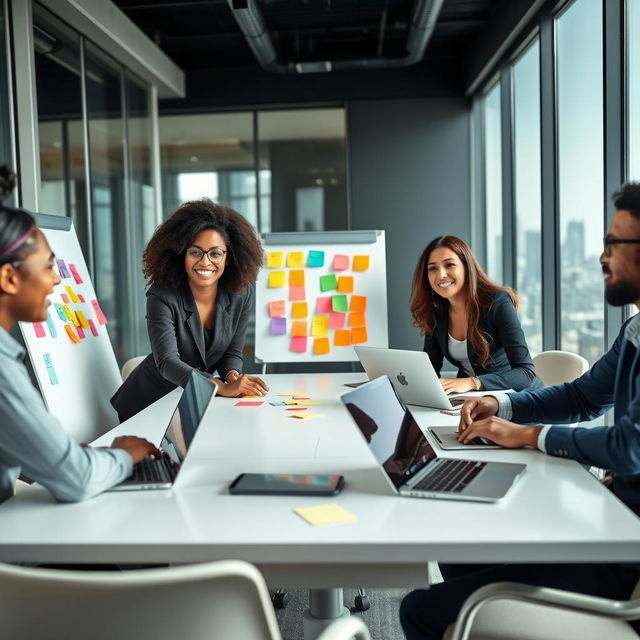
{"type": "Point", "coordinates": [360, 263]}
{"type": "Point", "coordinates": [75, 274]}
{"type": "Point", "coordinates": [299, 328]}
{"type": "Point", "coordinates": [248, 403]}
{"type": "Point", "coordinates": [337, 320]}
{"type": "Point", "coordinates": [296, 293]}
{"type": "Point", "coordinates": [296, 278]}
{"type": "Point", "coordinates": [276, 279]}
{"type": "Point", "coordinates": [359, 335]}
{"type": "Point", "coordinates": [325, 514]}
{"type": "Point", "coordinates": [62, 268]}
{"type": "Point", "coordinates": [299, 310]}
{"type": "Point", "coordinates": [48, 362]}
{"type": "Point", "coordinates": [340, 263]}
{"type": "Point", "coordinates": [82, 320]}
{"type": "Point", "coordinates": [80, 332]}
{"type": "Point", "coordinates": [301, 398]}
{"type": "Point", "coordinates": [323, 305]}
{"type": "Point", "coordinates": [308, 402]}
{"type": "Point", "coordinates": [72, 294]}
{"type": "Point", "coordinates": [92, 326]}
{"type": "Point", "coordinates": [319, 326]}
{"type": "Point", "coordinates": [71, 316]}
{"type": "Point", "coordinates": [315, 259]}
{"type": "Point", "coordinates": [339, 302]}
{"type": "Point", "coordinates": [277, 308]}
{"type": "Point", "coordinates": [358, 304]}
{"type": "Point", "coordinates": [295, 259]}
{"type": "Point", "coordinates": [290, 393]}
{"type": "Point", "coordinates": [357, 320]}
{"type": "Point", "coordinates": [321, 346]}
{"type": "Point", "coordinates": [71, 333]}
{"type": "Point", "coordinates": [345, 284]}
{"type": "Point", "coordinates": [80, 297]}
{"type": "Point", "coordinates": [277, 404]}
{"type": "Point", "coordinates": [39, 329]}
{"type": "Point", "coordinates": [52, 327]}
{"type": "Point", "coordinates": [304, 416]}
{"type": "Point", "coordinates": [60, 311]}
{"type": "Point", "coordinates": [99, 315]}
{"type": "Point", "coordinates": [342, 338]}
{"type": "Point", "coordinates": [65, 298]}
{"type": "Point", "coordinates": [274, 259]}
{"type": "Point", "coordinates": [328, 282]}
{"type": "Point", "coordinates": [278, 326]}
{"type": "Point", "coordinates": [298, 344]}
{"type": "Point", "coordinates": [296, 408]}
{"type": "Point", "coordinates": [291, 402]}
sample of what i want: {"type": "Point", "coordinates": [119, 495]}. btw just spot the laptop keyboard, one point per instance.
{"type": "Point", "coordinates": [451, 476]}
{"type": "Point", "coordinates": [153, 470]}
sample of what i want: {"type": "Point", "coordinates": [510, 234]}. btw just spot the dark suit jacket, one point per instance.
{"type": "Point", "coordinates": [178, 346]}
{"type": "Point", "coordinates": [509, 365]}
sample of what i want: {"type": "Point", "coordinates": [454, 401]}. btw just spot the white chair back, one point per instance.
{"type": "Point", "coordinates": [130, 365]}
{"type": "Point", "coordinates": [556, 367]}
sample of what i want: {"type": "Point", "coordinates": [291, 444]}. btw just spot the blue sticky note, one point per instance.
{"type": "Point", "coordinates": [315, 259]}
{"type": "Point", "coordinates": [278, 326]}
{"type": "Point", "coordinates": [53, 378]}
{"type": "Point", "coordinates": [277, 404]}
{"type": "Point", "coordinates": [60, 310]}
{"type": "Point", "coordinates": [52, 327]}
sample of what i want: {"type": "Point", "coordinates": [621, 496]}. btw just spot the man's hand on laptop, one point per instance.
{"type": "Point", "coordinates": [137, 448]}
{"type": "Point", "coordinates": [502, 432]}
{"type": "Point", "coordinates": [477, 409]}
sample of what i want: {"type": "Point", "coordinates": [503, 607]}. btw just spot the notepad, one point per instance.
{"type": "Point", "coordinates": [325, 514]}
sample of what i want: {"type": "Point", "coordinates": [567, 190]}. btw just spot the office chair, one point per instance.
{"type": "Point", "coordinates": [227, 599]}
{"type": "Point", "coordinates": [512, 611]}
{"type": "Point", "coordinates": [130, 365]}
{"type": "Point", "coordinates": [556, 367]}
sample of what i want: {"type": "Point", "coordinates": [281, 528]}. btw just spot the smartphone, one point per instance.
{"type": "Point", "coordinates": [286, 484]}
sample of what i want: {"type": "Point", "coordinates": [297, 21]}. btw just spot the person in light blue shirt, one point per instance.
{"type": "Point", "coordinates": [32, 441]}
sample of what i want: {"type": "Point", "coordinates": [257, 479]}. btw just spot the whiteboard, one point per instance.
{"type": "Point", "coordinates": [76, 379]}
{"type": "Point", "coordinates": [314, 253]}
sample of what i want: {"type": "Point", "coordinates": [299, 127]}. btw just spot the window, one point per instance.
{"type": "Point", "coordinates": [493, 182]}
{"type": "Point", "coordinates": [5, 122]}
{"type": "Point", "coordinates": [527, 193]}
{"type": "Point", "coordinates": [633, 88]}
{"type": "Point", "coordinates": [579, 68]}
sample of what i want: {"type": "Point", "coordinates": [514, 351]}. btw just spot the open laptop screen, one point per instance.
{"type": "Point", "coordinates": [390, 430]}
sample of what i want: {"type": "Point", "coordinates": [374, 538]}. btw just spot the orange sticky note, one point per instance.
{"type": "Point", "coordinates": [274, 259]}
{"type": "Point", "coordinates": [320, 326]}
{"type": "Point", "coordinates": [71, 333]}
{"type": "Point", "coordinates": [295, 259]}
{"type": "Point", "coordinates": [357, 320]}
{"type": "Point", "coordinates": [359, 335]}
{"type": "Point", "coordinates": [358, 304]}
{"type": "Point", "coordinates": [299, 328]}
{"type": "Point", "coordinates": [342, 338]}
{"type": "Point", "coordinates": [321, 346]}
{"type": "Point", "coordinates": [299, 310]}
{"type": "Point", "coordinates": [276, 279]}
{"type": "Point", "coordinates": [360, 263]}
{"type": "Point", "coordinates": [345, 284]}
{"type": "Point", "coordinates": [296, 278]}
{"type": "Point", "coordinates": [277, 309]}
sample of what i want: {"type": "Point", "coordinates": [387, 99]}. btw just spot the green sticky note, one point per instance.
{"type": "Point", "coordinates": [328, 282]}
{"type": "Point", "coordinates": [339, 303]}
{"type": "Point", "coordinates": [315, 259]}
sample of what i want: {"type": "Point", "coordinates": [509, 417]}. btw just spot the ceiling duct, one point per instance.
{"type": "Point", "coordinates": [251, 22]}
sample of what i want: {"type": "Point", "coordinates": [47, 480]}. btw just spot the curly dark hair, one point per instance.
{"type": "Point", "coordinates": [628, 197]}
{"type": "Point", "coordinates": [163, 257]}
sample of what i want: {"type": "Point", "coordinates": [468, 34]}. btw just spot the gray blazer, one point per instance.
{"type": "Point", "coordinates": [178, 345]}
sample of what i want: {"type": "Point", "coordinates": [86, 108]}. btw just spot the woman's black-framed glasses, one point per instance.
{"type": "Point", "coordinates": [214, 255]}
{"type": "Point", "coordinates": [608, 240]}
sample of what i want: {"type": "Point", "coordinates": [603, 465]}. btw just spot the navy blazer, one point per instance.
{"type": "Point", "coordinates": [613, 380]}
{"type": "Point", "coordinates": [178, 344]}
{"type": "Point", "coordinates": [509, 365]}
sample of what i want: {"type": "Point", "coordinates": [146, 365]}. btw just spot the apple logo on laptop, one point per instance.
{"type": "Point", "coordinates": [402, 379]}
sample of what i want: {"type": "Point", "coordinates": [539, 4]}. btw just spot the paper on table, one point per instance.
{"type": "Point", "coordinates": [325, 514]}
{"type": "Point", "coordinates": [248, 403]}
{"type": "Point", "coordinates": [305, 416]}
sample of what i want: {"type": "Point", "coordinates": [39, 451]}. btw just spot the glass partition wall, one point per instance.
{"type": "Point", "coordinates": [5, 115]}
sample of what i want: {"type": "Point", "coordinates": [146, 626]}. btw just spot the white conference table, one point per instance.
{"type": "Point", "coordinates": [557, 512]}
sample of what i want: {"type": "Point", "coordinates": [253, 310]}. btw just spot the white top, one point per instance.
{"type": "Point", "coordinates": [458, 351]}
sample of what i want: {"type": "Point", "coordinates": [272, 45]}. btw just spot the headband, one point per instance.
{"type": "Point", "coordinates": [18, 243]}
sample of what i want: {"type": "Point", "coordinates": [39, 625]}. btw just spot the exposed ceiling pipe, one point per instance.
{"type": "Point", "coordinates": [251, 22]}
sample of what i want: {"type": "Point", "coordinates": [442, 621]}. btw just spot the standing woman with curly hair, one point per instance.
{"type": "Point", "coordinates": [201, 264]}
{"type": "Point", "coordinates": [470, 320]}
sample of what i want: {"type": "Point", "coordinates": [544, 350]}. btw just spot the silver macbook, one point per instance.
{"type": "Point", "coordinates": [411, 374]}
{"type": "Point", "coordinates": [161, 473]}
{"type": "Point", "coordinates": [409, 462]}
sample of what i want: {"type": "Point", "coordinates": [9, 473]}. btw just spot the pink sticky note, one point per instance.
{"type": "Point", "coordinates": [80, 297]}
{"type": "Point", "coordinates": [80, 332]}
{"type": "Point", "coordinates": [65, 298]}
{"type": "Point", "coordinates": [323, 305]}
{"type": "Point", "coordinates": [340, 263]}
{"type": "Point", "coordinates": [99, 315]}
{"type": "Point", "coordinates": [75, 274]}
{"type": "Point", "coordinates": [248, 403]}
{"type": "Point", "coordinates": [297, 409]}
{"type": "Point", "coordinates": [337, 320]}
{"type": "Point", "coordinates": [39, 329]}
{"type": "Point", "coordinates": [92, 326]}
{"type": "Point", "coordinates": [296, 293]}
{"type": "Point", "coordinates": [299, 344]}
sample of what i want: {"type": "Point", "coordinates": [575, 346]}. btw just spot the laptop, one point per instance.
{"type": "Point", "coordinates": [447, 438]}
{"type": "Point", "coordinates": [161, 473]}
{"type": "Point", "coordinates": [411, 374]}
{"type": "Point", "coordinates": [409, 462]}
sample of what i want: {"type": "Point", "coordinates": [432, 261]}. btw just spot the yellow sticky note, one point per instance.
{"type": "Point", "coordinates": [325, 514]}
{"type": "Point", "coordinates": [83, 321]}
{"type": "Point", "coordinates": [345, 284]}
{"type": "Point", "coordinates": [299, 328]}
{"type": "Point", "coordinates": [276, 279]}
{"type": "Point", "coordinates": [320, 326]}
{"type": "Point", "coordinates": [274, 259]}
{"type": "Point", "coordinates": [72, 294]}
{"type": "Point", "coordinates": [296, 278]}
{"type": "Point", "coordinates": [291, 393]}
{"type": "Point", "coordinates": [71, 333]}
{"type": "Point", "coordinates": [299, 310]}
{"type": "Point", "coordinates": [305, 415]}
{"type": "Point", "coordinates": [321, 346]}
{"type": "Point", "coordinates": [71, 316]}
{"type": "Point", "coordinates": [295, 259]}
{"type": "Point", "coordinates": [308, 403]}
{"type": "Point", "coordinates": [360, 263]}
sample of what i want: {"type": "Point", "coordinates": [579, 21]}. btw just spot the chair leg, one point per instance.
{"type": "Point", "coordinates": [280, 599]}
{"type": "Point", "coordinates": [361, 601]}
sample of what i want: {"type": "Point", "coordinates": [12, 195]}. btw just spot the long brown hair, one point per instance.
{"type": "Point", "coordinates": [425, 302]}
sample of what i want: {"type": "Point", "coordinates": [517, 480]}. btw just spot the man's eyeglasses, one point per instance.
{"type": "Point", "coordinates": [608, 240]}
{"type": "Point", "coordinates": [214, 255]}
